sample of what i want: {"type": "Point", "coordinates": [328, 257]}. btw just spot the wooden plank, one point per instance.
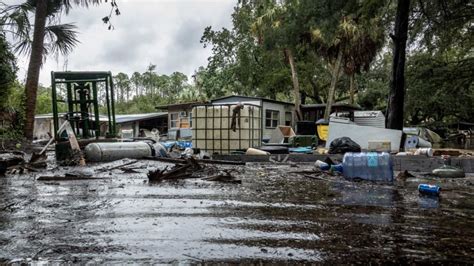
{"type": "Point", "coordinates": [183, 161]}
{"type": "Point", "coordinates": [68, 178]}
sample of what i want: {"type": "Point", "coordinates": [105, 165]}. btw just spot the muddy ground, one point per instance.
{"type": "Point", "coordinates": [273, 216]}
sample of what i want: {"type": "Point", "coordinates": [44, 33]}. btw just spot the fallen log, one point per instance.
{"type": "Point", "coordinates": [201, 161]}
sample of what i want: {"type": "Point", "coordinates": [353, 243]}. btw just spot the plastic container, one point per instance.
{"type": "Point", "coordinates": [424, 151]}
{"type": "Point", "coordinates": [321, 165]}
{"type": "Point", "coordinates": [427, 189]}
{"type": "Point", "coordinates": [368, 166]}
{"type": "Point", "coordinates": [336, 168]}
{"type": "Point", "coordinates": [253, 151]}
{"type": "Point", "coordinates": [212, 131]}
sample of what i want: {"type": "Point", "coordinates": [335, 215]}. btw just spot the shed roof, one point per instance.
{"type": "Point", "coordinates": [177, 105]}
{"type": "Point", "coordinates": [61, 115]}
{"type": "Point", "coordinates": [119, 119]}
{"type": "Point", "coordinates": [335, 105]}
{"type": "Point", "coordinates": [253, 98]}
{"type": "Point", "coordinates": [79, 75]}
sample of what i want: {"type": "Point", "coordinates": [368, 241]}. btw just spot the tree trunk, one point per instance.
{"type": "Point", "coordinates": [332, 88]}
{"type": "Point", "coordinates": [396, 98]}
{"type": "Point", "coordinates": [296, 85]}
{"type": "Point", "coordinates": [352, 89]}
{"type": "Point", "coordinates": [36, 60]}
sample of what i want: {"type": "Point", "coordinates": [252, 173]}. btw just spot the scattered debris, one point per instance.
{"type": "Point", "coordinates": [225, 177]}
{"type": "Point", "coordinates": [179, 171]}
{"type": "Point", "coordinates": [9, 160]}
{"type": "Point", "coordinates": [67, 178]}
{"type": "Point", "coordinates": [404, 175]}
{"type": "Point", "coordinates": [431, 190]}
{"type": "Point", "coordinates": [253, 151]}
{"type": "Point", "coordinates": [343, 145]}
{"type": "Point", "coordinates": [202, 161]}
{"type": "Point", "coordinates": [191, 168]}
{"type": "Point", "coordinates": [121, 167]}
{"type": "Point", "coordinates": [447, 171]}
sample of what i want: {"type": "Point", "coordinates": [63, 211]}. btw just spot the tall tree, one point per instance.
{"type": "Point", "coordinates": [36, 60]}
{"type": "Point", "coordinates": [396, 100]}
{"type": "Point", "coordinates": [63, 40]}
{"type": "Point", "coordinates": [136, 81]}
{"type": "Point", "coordinates": [8, 70]}
{"type": "Point", "coordinates": [122, 82]}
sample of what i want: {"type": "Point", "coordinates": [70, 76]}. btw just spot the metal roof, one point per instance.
{"type": "Point", "coordinates": [61, 115]}
{"type": "Point", "coordinates": [119, 119]}
{"type": "Point", "coordinates": [81, 75]}
{"type": "Point", "coordinates": [162, 107]}
{"type": "Point", "coordinates": [253, 98]}
{"type": "Point", "coordinates": [335, 105]}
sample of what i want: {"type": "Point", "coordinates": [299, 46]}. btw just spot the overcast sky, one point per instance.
{"type": "Point", "coordinates": [162, 32]}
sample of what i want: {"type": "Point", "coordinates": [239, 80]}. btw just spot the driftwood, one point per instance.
{"type": "Point", "coordinates": [317, 178]}
{"type": "Point", "coordinates": [201, 161]}
{"type": "Point", "coordinates": [225, 177]}
{"type": "Point", "coordinates": [191, 168]}
{"type": "Point", "coordinates": [179, 171]}
{"type": "Point", "coordinates": [67, 178]}
{"type": "Point", "coordinates": [116, 167]}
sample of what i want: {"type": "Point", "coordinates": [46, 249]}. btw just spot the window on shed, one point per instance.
{"type": "Point", "coordinates": [174, 120]}
{"type": "Point", "coordinates": [288, 118]}
{"type": "Point", "coordinates": [271, 118]}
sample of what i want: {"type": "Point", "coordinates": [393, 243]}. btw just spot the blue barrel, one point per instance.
{"type": "Point", "coordinates": [427, 189]}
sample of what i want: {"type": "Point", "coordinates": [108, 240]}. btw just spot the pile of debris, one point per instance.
{"type": "Point", "coordinates": [192, 168]}
{"type": "Point", "coordinates": [13, 162]}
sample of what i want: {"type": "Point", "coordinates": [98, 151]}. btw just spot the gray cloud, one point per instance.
{"type": "Point", "coordinates": [161, 32]}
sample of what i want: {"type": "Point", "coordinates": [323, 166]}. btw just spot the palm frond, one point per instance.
{"type": "Point", "coordinates": [68, 4]}
{"type": "Point", "coordinates": [16, 19]}
{"type": "Point", "coordinates": [23, 46]}
{"type": "Point", "coordinates": [61, 38]}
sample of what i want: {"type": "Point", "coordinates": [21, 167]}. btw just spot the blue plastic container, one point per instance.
{"type": "Point", "coordinates": [427, 189]}
{"type": "Point", "coordinates": [368, 166]}
{"type": "Point", "coordinates": [336, 168]}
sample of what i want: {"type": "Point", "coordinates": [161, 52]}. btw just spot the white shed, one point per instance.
{"type": "Point", "coordinates": [274, 113]}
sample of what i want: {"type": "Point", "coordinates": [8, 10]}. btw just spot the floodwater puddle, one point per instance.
{"type": "Point", "coordinates": [275, 217]}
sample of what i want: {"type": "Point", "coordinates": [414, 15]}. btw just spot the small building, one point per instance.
{"type": "Point", "coordinates": [179, 114]}
{"type": "Point", "coordinates": [131, 125]}
{"type": "Point", "coordinates": [44, 125]}
{"type": "Point", "coordinates": [275, 113]}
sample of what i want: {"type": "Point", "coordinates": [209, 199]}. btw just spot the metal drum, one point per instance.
{"type": "Point", "coordinates": [111, 151]}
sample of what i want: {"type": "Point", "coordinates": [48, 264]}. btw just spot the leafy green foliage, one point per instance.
{"type": "Point", "coordinates": [440, 89]}
{"type": "Point", "coordinates": [7, 72]}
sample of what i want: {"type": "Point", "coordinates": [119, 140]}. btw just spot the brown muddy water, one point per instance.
{"type": "Point", "coordinates": [274, 216]}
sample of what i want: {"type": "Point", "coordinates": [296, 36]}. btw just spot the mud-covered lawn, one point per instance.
{"type": "Point", "coordinates": [273, 216]}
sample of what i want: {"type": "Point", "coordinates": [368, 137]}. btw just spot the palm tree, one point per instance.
{"type": "Point", "coordinates": [48, 37]}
